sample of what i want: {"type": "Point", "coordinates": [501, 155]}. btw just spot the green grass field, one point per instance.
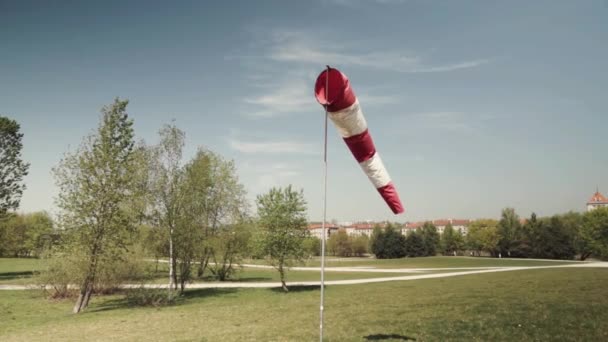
{"type": "Point", "coordinates": [428, 262]}
{"type": "Point", "coordinates": [22, 271]}
{"type": "Point", "coordinates": [18, 271]}
{"type": "Point", "coordinates": [535, 305]}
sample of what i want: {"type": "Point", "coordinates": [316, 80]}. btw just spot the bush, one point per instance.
{"type": "Point", "coordinates": [141, 296]}
{"type": "Point", "coordinates": [66, 270]}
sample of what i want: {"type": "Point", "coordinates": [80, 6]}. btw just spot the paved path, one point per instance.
{"type": "Point", "coordinates": [348, 282]}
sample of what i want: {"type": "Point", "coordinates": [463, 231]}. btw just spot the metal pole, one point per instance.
{"type": "Point", "coordinates": [324, 211]}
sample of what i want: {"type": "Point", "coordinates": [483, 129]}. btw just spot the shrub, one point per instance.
{"type": "Point", "coordinates": [141, 296]}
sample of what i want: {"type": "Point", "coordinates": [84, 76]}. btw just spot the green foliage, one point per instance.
{"type": "Point", "coordinates": [68, 265]}
{"type": "Point", "coordinates": [414, 245]}
{"type": "Point", "coordinates": [430, 238]}
{"type": "Point", "coordinates": [594, 232]}
{"type": "Point", "coordinates": [483, 237]}
{"type": "Point", "coordinates": [340, 244]}
{"type": "Point", "coordinates": [228, 246]}
{"type": "Point", "coordinates": [389, 244]}
{"type": "Point", "coordinates": [451, 241]}
{"type": "Point", "coordinates": [26, 235]}
{"type": "Point", "coordinates": [12, 167]}
{"type": "Point", "coordinates": [508, 227]}
{"type": "Point", "coordinates": [360, 245]}
{"type": "Point", "coordinates": [554, 240]}
{"type": "Point", "coordinates": [373, 241]}
{"type": "Point", "coordinates": [312, 246]}
{"type": "Point", "coordinates": [282, 219]}
{"type": "Point", "coordinates": [97, 189]}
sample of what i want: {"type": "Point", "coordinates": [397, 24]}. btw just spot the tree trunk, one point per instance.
{"type": "Point", "coordinates": [85, 295]}
{"type": "Point", "coordinates": [86, 288]}
{"type": "Point", "coordinates": [171, 261]}
{"type": "Point", "coordinates": [282, 274]}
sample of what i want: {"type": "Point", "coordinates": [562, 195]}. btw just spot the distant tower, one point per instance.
{"type": "Point", "coordinates": [597, 201]}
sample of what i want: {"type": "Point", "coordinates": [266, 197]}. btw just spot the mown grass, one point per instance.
{"type": "Point", "coordinates": [270, 275]}
{"type": "Point", "coordinates": [15, 271]}
{"type": "Point", "coordinates": [426, 262]}
{"type": "Point", "coordinates": [534, 305]}
{"type": "Point", "coordinates": [19, 270]}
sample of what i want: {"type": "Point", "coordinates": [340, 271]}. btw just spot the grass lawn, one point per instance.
{"type": "Point", "coordinates": [427, 262]}
{"type": "Point", "coordinates": [552, 304]}
{"type": "Point", "coordinates": [271, 275]}
{"type": "Point", "coordinates": [18, 270]}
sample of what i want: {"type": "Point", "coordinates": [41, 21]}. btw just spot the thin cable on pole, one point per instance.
{"type": "Point", "coordinates": [324, 209]}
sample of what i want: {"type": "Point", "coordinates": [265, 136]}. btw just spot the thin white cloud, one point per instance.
{"type": "Point", "coordinates": [300, 47]}
{"type": "Point", "coordinates": [272, 147]}
{"type": "Point", "coordinates": [288, 97]}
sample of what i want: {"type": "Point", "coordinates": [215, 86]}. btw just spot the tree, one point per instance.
{"type": "Point", "coordinates": [483, 236]}
{"type": "Point", "coordinates": [526, 239]}
{"type": "Point", "coordinates": [25, 235]}
{"type": "Point", "coordinates": [359, 245]}
{"type": "Point", "coordinates": [229, 246]}
{"type": "Point", "coordinates": [219, 202]}
{"type": "Point", "coordinates": [594, 232]}
{"type": "Point", "coordinates": [430, 238]}
{"type": "Point", "coordinates": [339, 244]}
{"type": "Point", "coordinates": [282, 217]}
{"type": "Point", "coordinates": [374, 239]}
{"type": "Point", "coordinates": [451, 240]}
{"type": "Point", "coordinates": [312, 246]}
{"type": "Point", "coordinates": [12, 167]}
{"type": "Point", "coordinates": [573, 222]}
{"type": "Point", "coordinates": [390, 244]}
{"type": "Point", "coordinates": [165, 177]}
{"type": "Point", "coordinates": [96, 188]}
{"type": "Point", "coordinates": [507, 228]}
{"type": "Point", "coordinates": [414, 245]}
{"type": "Point", "coordinates": [554, 240]}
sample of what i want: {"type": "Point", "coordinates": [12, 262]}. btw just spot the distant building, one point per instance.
{"type": "Point", "coordinates": [459, 225]}
{"type": "Point", "coordinates": [360, 229]}
{"type": "Point", "coordinates": [597, 201]}
{"type": "Point", "coordinates": [316, 229]}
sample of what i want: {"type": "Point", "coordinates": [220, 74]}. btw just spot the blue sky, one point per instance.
{"type": "Point", "coordinates": [473, 105]}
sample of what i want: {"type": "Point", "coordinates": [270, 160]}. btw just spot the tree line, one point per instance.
{"type": "Point", "coordinates": [567, 236]}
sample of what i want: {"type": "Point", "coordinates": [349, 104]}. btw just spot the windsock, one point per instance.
{"type": "Point", "coordinates": [336, 95]}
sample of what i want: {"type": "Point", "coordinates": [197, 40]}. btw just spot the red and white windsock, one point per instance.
{"type": "Point", "coordinates": [343, 108]}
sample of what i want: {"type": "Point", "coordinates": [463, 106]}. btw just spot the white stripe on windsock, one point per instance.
{"type": "Point", "coordinates": [349, 121]}
{"type": "Point", "coordinates": [375, 171]}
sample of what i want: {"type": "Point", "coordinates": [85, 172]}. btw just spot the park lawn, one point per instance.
{"type": "Point", "coordinates": [434, 262]}
{"type": "Point", "coordinates": [247, 274]}
{"type": "Point", "coordinates": [551, 304]}
{"type": "Point", "coordinates": [19, 270]}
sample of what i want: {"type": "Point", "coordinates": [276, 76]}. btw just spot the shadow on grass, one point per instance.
{"type": "Point", "coordinates": [249, 279]}
{"type": "Point", "coordinates": [295, 288]}
{"type": "Point", "coordinates": [185, 298]}
{"type": "Point", "coordinates": [380, 337]}
{"type": "Point", "coordinates": [16, 275]}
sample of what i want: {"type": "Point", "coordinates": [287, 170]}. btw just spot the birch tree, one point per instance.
{"type": "Point", "coordinates": [166, 175]}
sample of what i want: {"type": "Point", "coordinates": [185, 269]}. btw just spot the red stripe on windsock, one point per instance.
{"type": "Point", "coordinates": [361, 146]}
{"type": "Point", "coordinates": [391, 197]}
{"type": "Point", "coordinates": [339, 95]}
